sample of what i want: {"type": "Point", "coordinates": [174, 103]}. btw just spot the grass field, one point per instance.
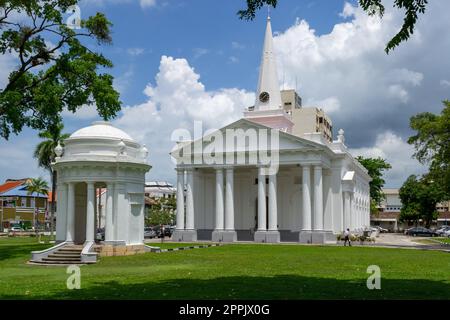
{"type": "Point", "coordinates": [246, 271]}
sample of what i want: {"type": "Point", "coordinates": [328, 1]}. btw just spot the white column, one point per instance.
{"type": "Point", "coordinates": [346, 210]}
{"type": "Point", "coordinates": [70, 237]}
{"type": "Point", "coordinates": [61, 212]}
{"type": "Point", "coordinates": [262, 223]}
{"type": "Point", "coordinates": [273, 212]}
{"type": "Point", "coordinates": [229, 200]}
{"type": "Point", "coordinates": [190, 199]}
{"type": "Point", "coordinates": [180, 199]}
{"type": "Point", "coordinates": [306, 191]}
{"type": "Point", "coordinates": [219, 199]}
{"type": "Point", "coordinates": [109, 226]}
{"type": "Point", "coordinates": [90, 215]}
{"type": "Point", "coordinates": [318, 198]}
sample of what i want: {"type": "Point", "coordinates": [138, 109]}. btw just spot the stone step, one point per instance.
{"type": "Point", "coordinates": [76, 259]}
{"type": "Point", "coordinates": [61, 263]}
{"type": "Point", "coordinates": [63, 255]}
{"type": "Point", "coordinates": [70, 250]}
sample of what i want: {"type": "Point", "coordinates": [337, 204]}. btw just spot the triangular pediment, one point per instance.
{"type": "Point", "coordinates": [249, 136]}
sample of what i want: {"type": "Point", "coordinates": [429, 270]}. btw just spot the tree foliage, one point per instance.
{"type": "Point", "coordinates": [419, 198]}
{"type": "Point", "coordinates": [55, 70]}
{"type": "Point", "coordinates": [162, 212]}
{"type": "Point", "coordinates": [36, 186]}
{"type": "Point", "coordinates": [412, 10]}
{"type": "Point", "coordinates": [376, 168]}
{"type": "Point", "coordinates": [432, 144]}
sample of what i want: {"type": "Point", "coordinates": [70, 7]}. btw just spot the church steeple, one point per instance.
{"type": "Point", "coordinates": [268, 96]}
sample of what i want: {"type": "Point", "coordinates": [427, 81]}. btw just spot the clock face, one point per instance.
{"type": "Point", "coordinates": [264, 97]}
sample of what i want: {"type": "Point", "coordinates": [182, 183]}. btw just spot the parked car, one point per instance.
{"type": "Point", "coordinates": [16, 229]}
{"type": "Point", "coordinates": [446, 233]}
{"type": "Point", "coordinates": [167, 231]}
{"type": "Point", "coordinates": [381, 230]}
{"type": "Point", "coordinates": [442, 230]}
{"type": "Point", "coordinates": [150, 233]}
{"type": "Point", "coordinates": [421, 231]}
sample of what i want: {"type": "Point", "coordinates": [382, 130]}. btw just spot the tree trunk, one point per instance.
{"type": "Point", "coordinates": [52, 207]}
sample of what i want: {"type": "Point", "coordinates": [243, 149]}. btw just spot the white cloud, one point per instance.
{"type": "Point", "coordinates": [135, 51]}
{"type": "Point", "coordinates": [398, 153]}
{"type": "Point", "coordinates": [233, 59]}
{"type": "Point", "coordinates": [147, 3]}
{"type": "Point", "coordinates": [86, 112]}
{"type": "Point", "coordinates": [177, 99]}
{"type": "Point", "coordinates": [237, 45]}
{"type": "Point", "coordinates": [329, 105]}
{"type": "Point", "coordinates": [199, 52]}
{"type": "Point", "coordinates": [445, 83]}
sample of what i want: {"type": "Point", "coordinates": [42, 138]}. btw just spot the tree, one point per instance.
{"type": "Point", "coordinates": [432, 144]}
{"type": "Point", "coordinates": [372, 7]}
{"type": "Point", "coordinates": [55, 70]}
{"type": "Point", "coordinates": [37, 186]}
{"type": "Point", "coordinates": [162, 212]}
{"type": "Point", "coordinates": [419, 198]}
{"type": "Point", "coordinates": [375, 168]}
{"type": "Point", "coordinates": [45, 154]}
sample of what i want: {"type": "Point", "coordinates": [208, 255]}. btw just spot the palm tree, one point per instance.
{"type": "Point", "coordinates": [45, 154]}
{"type": "Point", "coordinates": [38, 186]}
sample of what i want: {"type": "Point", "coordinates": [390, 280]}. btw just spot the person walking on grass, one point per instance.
{"type": "Point", "coordinates": [347, 237]}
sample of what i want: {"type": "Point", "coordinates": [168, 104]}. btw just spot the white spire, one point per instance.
{"type": "Point", "coordinates": [268, 96]}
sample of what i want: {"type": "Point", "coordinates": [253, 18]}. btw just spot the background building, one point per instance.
{"type": "Point", "coordinates": [160, 189]}
{"type": "Point", "coordinates": [389, 212]}
{"type": "Point", "coordinates": [17, 207]}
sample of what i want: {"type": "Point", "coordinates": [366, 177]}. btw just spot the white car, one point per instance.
{"type": "Point", "coordinates": [446, 233]}
{"type": "Point", "coordinates": [442, 230]}
{"type": "Point", "coordinates": [16, 229]}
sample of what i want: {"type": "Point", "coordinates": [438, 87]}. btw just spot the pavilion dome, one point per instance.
{"type": "Point", "coordinates": [101, 141]}
{"type": "Point", "coordinates": [101, 129]}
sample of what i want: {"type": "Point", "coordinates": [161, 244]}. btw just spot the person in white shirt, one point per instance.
{"type": "Point", "coordinates": [347, 237]}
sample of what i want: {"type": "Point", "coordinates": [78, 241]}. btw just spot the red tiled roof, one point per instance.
{"type": "Point", "coordinates": [49, 196]}
{"type": "Point", "coordinates": [8, 185]}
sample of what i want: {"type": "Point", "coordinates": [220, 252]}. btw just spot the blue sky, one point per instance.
{"type": "Point", "coordinates": [178, 61]}
{"type": "Point", "coordinates": [207, 33]}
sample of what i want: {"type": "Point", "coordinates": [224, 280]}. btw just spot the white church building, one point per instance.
{"type": "Point", "coordinates": [254, 180]}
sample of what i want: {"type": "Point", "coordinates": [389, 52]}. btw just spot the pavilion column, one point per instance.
{"type": "Point", "coordinates": [180, 199]}
{"type": "Point", "coordinates": [318, 198]}
{"type": "Point", "coordinates": [219, 200]}
{"type": "Point", "coordinates": [229, 200]}
{"type": "Point", "coordinates": [306, 197]}
{"type": "Point", "coordinates": [262, 223]}
{"type": "Point", "coordinates": [61, 212]}
{"type": "Point", "coordinates": [190, 199]}
{"type": "Point", "coordinates": [90, 213]}
{"type": "Point", "coordinates": [70, 237]}
{"type": "Point", "coordinates": [109, 225]}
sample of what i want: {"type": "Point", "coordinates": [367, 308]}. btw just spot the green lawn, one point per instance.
{"type": "Point", "coordinates": [236, 271]}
